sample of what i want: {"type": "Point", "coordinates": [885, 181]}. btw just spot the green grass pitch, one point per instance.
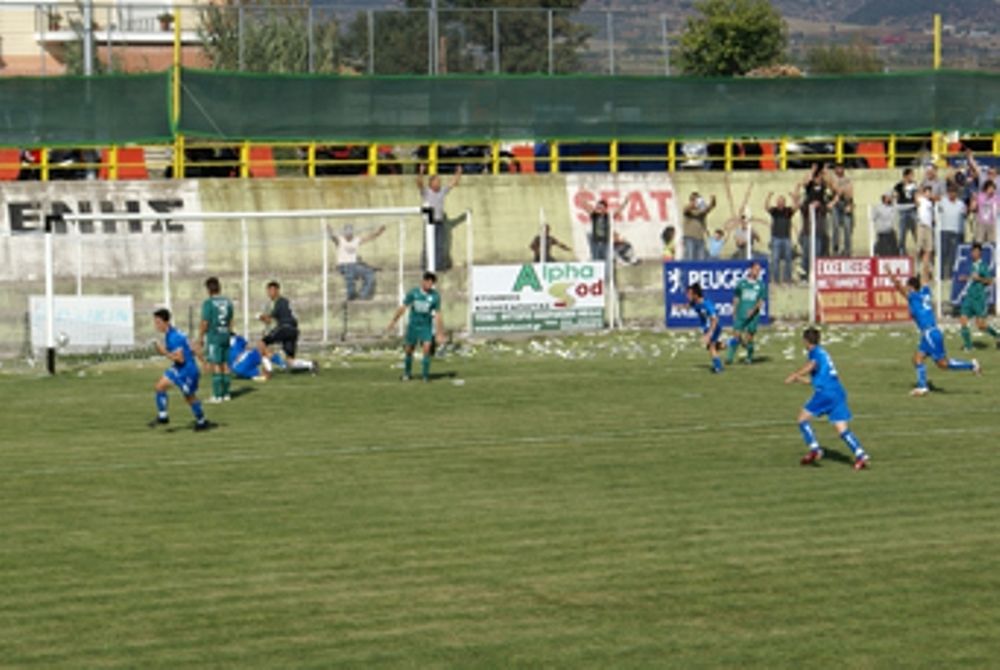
{"type": "Point", "coordinates": [589, 502]}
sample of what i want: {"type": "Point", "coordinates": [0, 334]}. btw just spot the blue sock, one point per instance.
{"type": "Point", "coordinates": [955, 364]}
{"type": "Point", "coordinates": [716, 363]}
{"type": "Point", "coordinates": [408, 365]}
{"type": "Point", "coordinates": [196, 410]}
{"type": "Point", "coordinates": [851, 440]}
{"type": "Point", "coordinates": [161, 404]}
{"type": "Point", "coordinates": [808, 435]}
{"type": "Point", "coordinates": [921, 375]}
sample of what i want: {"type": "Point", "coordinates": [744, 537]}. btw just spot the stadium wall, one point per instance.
{"type": "Point", "coordinates": [125, 258]}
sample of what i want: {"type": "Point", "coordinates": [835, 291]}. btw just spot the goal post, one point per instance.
{"type": "Point", "coordinates": [165, 263]}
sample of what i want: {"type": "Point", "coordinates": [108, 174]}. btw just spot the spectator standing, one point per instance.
{"type": "Point", "coordinates": [987, 208]}
{"type": "Point", "coordinates": [600, 228]}
{"type": "Point", "coordinates": [433, 195]}
{"type": "Point", "coordinates": [550, 241]}
{"type": "Point", "coordinates": [696, 226]}
{"type": "Point", "coordinates": [668, 237]}
{"type": "Point", "coordinates": [781, 237]}
{"type": "Point", "coordinates": [842, 207]}
{"type": "Point", "coordinates": [743, 234]}
{"type": "Point", "coordinates": [884, 222]}
{"type": "Point", "coordinates": [716, 243]}
{"type": "Point", "coordinates": [925, 231]}
{"type": "Point", "coordinates": [906, 206]}
{"type": "Point", "coordinates": [817, 199]}
{"type": "Point", "coordinates": [935, 183]}
{"type": "Point", "coordinates": [951, 213]}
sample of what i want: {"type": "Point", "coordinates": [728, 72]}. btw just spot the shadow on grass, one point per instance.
{"type": "Point", "coordinates": [242, 391]}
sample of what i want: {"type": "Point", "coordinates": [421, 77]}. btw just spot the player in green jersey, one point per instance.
{"type": "Point", "coordinates": [974, 301]}
{"type": "Point", "coordinates": [748, 303]}
{"type": "Point", "coordinates": [424, 304]}
{"type": "Point", "coordinates": [216, 329]}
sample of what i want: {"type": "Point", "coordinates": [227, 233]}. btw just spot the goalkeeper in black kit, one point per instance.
{"type": "Point", "coordinates": [284, 331]}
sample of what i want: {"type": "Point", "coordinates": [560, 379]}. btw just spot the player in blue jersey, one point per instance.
{"type": "Point", "coordinates": [931, 339]}
{"type": "Point", "coordinates": [829, 398]}
{"type": "Point", "coordinates": [183, 373]}
{"type": "Point", "coordinates": [711, 327]}
{"type": "Point", "coordinates": [246, 362]}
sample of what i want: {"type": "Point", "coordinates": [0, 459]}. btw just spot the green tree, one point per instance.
{"type": "Point", "coordinates": [732, 37]}
{"type": "Point", "coordinates": [466, 29]}
{"type": "Point", "coordinates": [275, 36]}
{"type": "Point", "coordinates": [849, 59]}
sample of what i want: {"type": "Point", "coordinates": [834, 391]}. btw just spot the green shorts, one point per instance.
{"type": "Point", "coordinates": [973, 307]}
{"type": "Point", "coordinates": [216, 350]}
{"type": "Point", "coordinates": [742, 325]}
{"type": "Point", "coordinates": [418, 334]}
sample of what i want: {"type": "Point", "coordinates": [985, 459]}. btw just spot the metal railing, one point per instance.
{"type": "Point", "coordinates": [190, 158]}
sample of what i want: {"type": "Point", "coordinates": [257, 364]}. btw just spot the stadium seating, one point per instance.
{"type": "Point", "coordinates": [131, 163]}
{"type": "Point", "coordinates": [262, 162]}
{"type": "Point", "coordinates": [10, 164]}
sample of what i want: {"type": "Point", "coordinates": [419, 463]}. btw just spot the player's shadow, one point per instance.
{"type": "Point", "coordinates": [833, 457]}
{"type": "Point", "coordinates": [242, 391]}
{"type": "Point", "coordinates": [442, 375]}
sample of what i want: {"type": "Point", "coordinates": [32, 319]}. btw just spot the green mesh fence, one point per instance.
{"type": "Point", "coordinates": [136, 108]}
{"type": "Point", "coordinates": [275, 107]}
{"type": "Point", "coordinates": [110, 109]}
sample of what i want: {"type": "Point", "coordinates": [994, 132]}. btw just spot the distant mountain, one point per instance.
{"type": "Point", "coordinates": [906, 13]}
{"type": "Point", "coordinates": [960, 12]}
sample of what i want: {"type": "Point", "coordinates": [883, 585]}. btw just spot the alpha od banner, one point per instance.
{"type": "Point", "coordinates": [537, 297]}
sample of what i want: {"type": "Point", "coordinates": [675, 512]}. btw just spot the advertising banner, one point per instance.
{"type": "Point", "coordinates": [85, 322]}
{"type": "Point", "coordinates": [961, 271]}
{"type": "Point", "coordinates": [651, 208]}
{"type": "Point", "coordinates": [111, 248]}
{"type": "Point", "coordinates": [860, 290]}
{"type": "Point", "coordinates": [538, 297]}
{"type": "Point", "coordinates": [718, 280]}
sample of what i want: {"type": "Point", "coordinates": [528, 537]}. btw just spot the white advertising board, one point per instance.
{"type": "Point", "coordinates": [85, 322]}
{"type": "Point", "coordinates": [538, 297]}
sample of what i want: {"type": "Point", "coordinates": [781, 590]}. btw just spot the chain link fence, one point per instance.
{"type": "Point", "coordinates": [258, 37]}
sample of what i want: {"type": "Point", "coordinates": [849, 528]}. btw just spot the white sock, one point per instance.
{"type": "Point", "coordinates": [300, 364]}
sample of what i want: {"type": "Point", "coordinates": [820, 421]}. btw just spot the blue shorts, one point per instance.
{"type": "Point", "coordinates": [716, 334]}
{"type": "Point", "coordinates": [247, 364]}
{"type": "Point", "coordinates": [833, 405]}
{"type": "Point", "coordinates": [932, 344]}
{"type": "Point", "coordinates": [185, 379]}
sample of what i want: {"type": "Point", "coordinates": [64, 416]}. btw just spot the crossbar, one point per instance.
{"type": "Point", "coordinates": [236, 216]}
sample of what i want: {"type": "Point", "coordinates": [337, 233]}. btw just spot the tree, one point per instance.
{"type": "Point", "coordinates": [275, 36]}
{"type": "Point", "coordinates": [850, 59]}
{"type": "Point", "coordinates": [466, 29]}
{"type": "Point", "coordinates": [732, 37]}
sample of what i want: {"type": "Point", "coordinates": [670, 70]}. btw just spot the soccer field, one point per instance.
{"type": "Point", "coordinates": [591, 502]}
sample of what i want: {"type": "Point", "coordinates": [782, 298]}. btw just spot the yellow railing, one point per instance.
{"type": "Point", "coordinates": [191, 158]}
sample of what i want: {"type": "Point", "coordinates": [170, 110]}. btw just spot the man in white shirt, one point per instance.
{"type": "Point", "coordinates": [433, 195]}
{"type": "Point", "coordinates": [350, 265]}
{"type": "Point", "coordinates": [884, 222]}
{"type": "Point", "coordinates": [925, 230]}
{"type": "Point", "coordinates": [951, 214]}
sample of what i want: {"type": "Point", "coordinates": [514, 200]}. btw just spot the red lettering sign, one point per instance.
{"type": "Point", "coordinates": [860, 290]}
